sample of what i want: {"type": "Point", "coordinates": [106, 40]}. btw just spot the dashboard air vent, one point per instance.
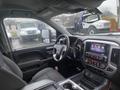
{"type": "Point", "coordinates": [115, 56]}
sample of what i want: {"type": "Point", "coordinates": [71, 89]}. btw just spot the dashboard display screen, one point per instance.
{"type": "Point", "coordinates": [97, 47]}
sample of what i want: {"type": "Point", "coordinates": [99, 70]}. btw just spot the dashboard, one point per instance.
{"type": "Point", "coordinates": [99, 55]}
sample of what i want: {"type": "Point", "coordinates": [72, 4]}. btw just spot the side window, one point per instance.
{"type": "Point", "coordinates": [24, 33]}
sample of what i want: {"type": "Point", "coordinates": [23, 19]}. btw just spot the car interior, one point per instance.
{"type": "Point", "coordinates": [38, 53]}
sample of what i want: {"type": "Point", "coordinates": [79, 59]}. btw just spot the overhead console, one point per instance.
{"type": "Point", "coordinates": [101, 56]}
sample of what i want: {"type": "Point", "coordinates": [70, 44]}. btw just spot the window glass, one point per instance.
{"type": "Point", "coordinates": [24, 33]}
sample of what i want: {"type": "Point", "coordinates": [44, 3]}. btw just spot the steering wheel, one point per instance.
{"type": "Point", "coordinates": [61, 47]}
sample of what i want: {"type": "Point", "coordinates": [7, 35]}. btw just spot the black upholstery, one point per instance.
{"type": "Point", "coordinates": [47, 73]}
{"type": "Point", "coordinates": [11, 75]}
{"type": "Point", "coordinates": [12, 67]}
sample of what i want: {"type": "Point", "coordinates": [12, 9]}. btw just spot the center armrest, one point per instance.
{"type": "Point", "coordinates": [39, 85]}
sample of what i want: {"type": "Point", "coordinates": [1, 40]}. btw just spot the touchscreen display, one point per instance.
{"type": "Point", "coordinates": [97, 47]}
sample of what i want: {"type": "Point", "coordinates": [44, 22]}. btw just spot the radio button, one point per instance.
{"type": "Point", "coordinates": [109, 69]}
{"type": "Point", "coordinates": [98, 64]}
{"type": "Point", "coordinates": [102, 66]}
{"type": "Point", "coordinates": [105, 59]}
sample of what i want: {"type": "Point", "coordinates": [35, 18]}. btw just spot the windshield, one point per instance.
{"type": "Point", "coordinates": [104, 19]}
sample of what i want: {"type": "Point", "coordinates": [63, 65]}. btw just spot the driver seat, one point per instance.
{"type": "Point", "coordinates": [11, 76]}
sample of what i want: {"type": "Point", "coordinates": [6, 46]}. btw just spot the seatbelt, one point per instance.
{"type": "Point", "coordinates": [1, 60]}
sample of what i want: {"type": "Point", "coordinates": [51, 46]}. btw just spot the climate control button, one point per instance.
{"type": "Point", "coordinates": [102, 66]}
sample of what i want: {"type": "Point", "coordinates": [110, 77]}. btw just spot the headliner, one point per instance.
{"type": "Point", "coordinates": [49, 8]}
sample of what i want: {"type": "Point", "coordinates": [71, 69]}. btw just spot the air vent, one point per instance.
{"type": "Point", "coordinates": [115, 56]}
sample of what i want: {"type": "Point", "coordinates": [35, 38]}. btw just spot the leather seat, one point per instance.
{"type": "Point", "coordinates": [47, 73]}
{"type": "Point", "coordinates": [11, 76]}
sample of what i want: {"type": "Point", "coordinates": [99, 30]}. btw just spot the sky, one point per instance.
{"type": "Point", "coordinates": [110, 5]}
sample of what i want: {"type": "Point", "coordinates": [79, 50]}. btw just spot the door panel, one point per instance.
{"type": "Point", "coordinates": [33, 60]}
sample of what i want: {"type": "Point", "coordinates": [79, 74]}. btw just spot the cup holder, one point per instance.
{"type": "Point", "coordinates": [70, 85]}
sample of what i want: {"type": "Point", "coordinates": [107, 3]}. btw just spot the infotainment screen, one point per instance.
{"type": "Point", "coordinates": [97, 47]}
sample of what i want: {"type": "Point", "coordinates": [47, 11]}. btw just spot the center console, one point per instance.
{"type": "Point", "coordinates": [100, 59]}
{"type": "Point", "coordinates": [97, 56]}
{"type": "Point", "coordinates": [67, 84]}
